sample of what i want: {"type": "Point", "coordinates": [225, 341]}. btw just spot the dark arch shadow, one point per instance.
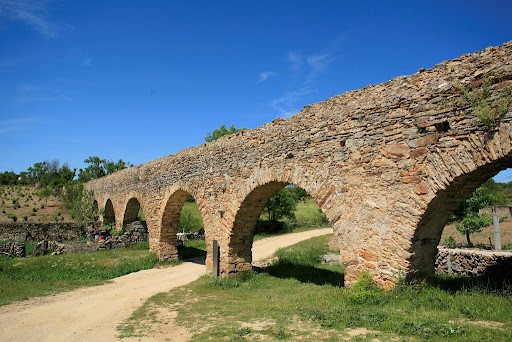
{"type": "Point", "coordinates": [131, 210]}
{"type": "Point", "coordinates": [303, 273]}
{"type": "Point", "coordinates": [109, 215]}
{"type": "Point", "coordinates": [192, 254]}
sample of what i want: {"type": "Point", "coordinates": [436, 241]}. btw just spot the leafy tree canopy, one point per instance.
{"type": "Point", "coordinates": [100, 167]}
{"type": "Point", "coordinates": [281, 205]}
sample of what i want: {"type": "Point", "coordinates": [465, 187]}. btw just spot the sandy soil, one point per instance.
{"type": "Point", "coordinates": [93, 313]}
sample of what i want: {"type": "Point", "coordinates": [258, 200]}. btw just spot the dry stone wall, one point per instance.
{"type": "Point", "coordinates": [474, 263]}
{"type": "Point", "coordinates": [386, 164]}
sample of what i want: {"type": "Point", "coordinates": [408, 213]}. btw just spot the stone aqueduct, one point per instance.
{"type": "Point", "coordinates": [386, 164]}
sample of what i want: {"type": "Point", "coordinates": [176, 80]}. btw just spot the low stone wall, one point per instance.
{"type": "Point", "coordinates": [59, 231]}
{"type": "Point", "coordinates": [134, 232]}
{"type": "Point", "coordinates": [13, 249]}
{"type": "Point", "coordinates": [473, 263]}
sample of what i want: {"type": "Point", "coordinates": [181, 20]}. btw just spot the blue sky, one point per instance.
{"type": "Point", "coordinates": [138, 80]}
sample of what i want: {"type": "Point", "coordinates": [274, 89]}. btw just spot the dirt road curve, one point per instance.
{"type": "Point", "coordinates": [92, 313]}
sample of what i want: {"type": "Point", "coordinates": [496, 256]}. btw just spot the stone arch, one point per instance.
{"type": "Point", "coordinates": [131, 210]}
{"type": "Point", "coordinates": [109, 215]}
{"type": "Point", "coordinates": [237, 256]}
{"type": "Point", "coordinates": [483, 161]}
{"type": "Point", "coordinates": [169, 219]}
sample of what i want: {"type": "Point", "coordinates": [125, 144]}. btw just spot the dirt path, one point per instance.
{"type": "Point", "coordinates": [93, 313]}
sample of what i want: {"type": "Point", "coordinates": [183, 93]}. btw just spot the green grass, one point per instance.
{"type": "Point", "coordinates": [308, 214]}
{"type": "Point", "coordinates": [190, 218]}
{"type": "Point", "coordinates": [30, 277]}
{"type": "Point", "coordinates": [297, 299]}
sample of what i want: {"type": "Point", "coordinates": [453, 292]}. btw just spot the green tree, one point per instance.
{"type": "Point", "coordinates": [48, 174]}
{"type": "Point", "coordinates": [99, 167]}
{"type": "Point", "coordinates": [8, 178]}
{"type": "Point", "coordinates": [221, 131]}
{"type": "Point", "coordinates": [468, 212]}
{"type": "Point", "coordinates": [81, 203]}
{"type": "Point", "coordinates": [473, 223]}
{"type": "Point", "coordinates": [281, 205]}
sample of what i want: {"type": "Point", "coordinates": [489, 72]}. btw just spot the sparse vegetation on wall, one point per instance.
{"type": "Point", "coordinates": [489, 109]}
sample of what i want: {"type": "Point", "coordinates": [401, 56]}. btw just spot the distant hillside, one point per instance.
{"type": "Point", "coordinates": [29, 204]}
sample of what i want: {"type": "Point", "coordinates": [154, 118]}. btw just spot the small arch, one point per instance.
{"type": "Point", "coordinates": [170, 223]}
{"type": "Point", "coordinates": [131, 211]}
{"type": "Point", "coordinates": [109, 215]}
{"type": "Point", "coordinates": [246, 218]}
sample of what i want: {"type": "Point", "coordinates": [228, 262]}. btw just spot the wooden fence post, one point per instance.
{"type": "Point", "coordinates": [216, 254]}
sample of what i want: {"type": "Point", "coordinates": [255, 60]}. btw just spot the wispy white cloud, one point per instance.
{"type": "Point", "coordinates": [16, 125]}
{"type": "Point", "coordinates": [30, 12]}
{"type": "Point", "coordinates": [295, 57]}
{"type": "Point", "coordinates": [265, 75]}
{"type": "Point", "coordinates": [305, 71]}
{"type": "Point", "coordinates": [288, 103]}
{"type": "Point", "coordinates": [318, 64]}
{"type": "Point", "coordinates": [296, 62]}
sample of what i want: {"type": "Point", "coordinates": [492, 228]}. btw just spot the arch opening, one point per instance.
{"type": "Point", "coordinates": [109, 216]}
{"type": "Point", "coordinates": [133, 211]}
{"type": "Point", "coordinates": [182, 232]}
{"type": "Point", "coordinates": [273, 207]}
{"type": "Point", "coordinates": [427, 235]}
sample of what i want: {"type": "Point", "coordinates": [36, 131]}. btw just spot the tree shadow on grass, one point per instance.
{"type": "Point", "coordinates": [192, 254]}
{"type": "Point", "coordinates": [303, 273]}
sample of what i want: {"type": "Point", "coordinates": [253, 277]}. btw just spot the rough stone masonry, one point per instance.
{"type": "Point", "coordinates": [387, 164]}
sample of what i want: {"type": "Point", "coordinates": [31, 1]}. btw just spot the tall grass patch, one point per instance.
{"type": "Point", "coordinates": [308, 214]}
{"type": "Point", "coordinates": [29, 277]}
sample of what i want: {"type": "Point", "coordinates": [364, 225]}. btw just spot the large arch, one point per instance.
{"type": "Point", "coordinates": [109, 215]}
{"type": "Point", "coordinates": [238, 254]}
{"type": "Point", "coordinates": [240, 243]}
{"type": "Point", "coordinates": [488, 159]}
{"type": "Point", "coordinates": [131, 210]}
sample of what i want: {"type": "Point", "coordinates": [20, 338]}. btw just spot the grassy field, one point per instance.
{"type": "Point", "coordinates": [31, 277]}
{"type": "Point", "coordinates": [23, 278]}
{"type": "Point", "coordinates": [298, 299]}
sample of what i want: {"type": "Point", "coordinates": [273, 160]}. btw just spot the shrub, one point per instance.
{"type": "Point", "coordinates": [265, 226]}
{"type": "Point", "coordinates": [449, 242]}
